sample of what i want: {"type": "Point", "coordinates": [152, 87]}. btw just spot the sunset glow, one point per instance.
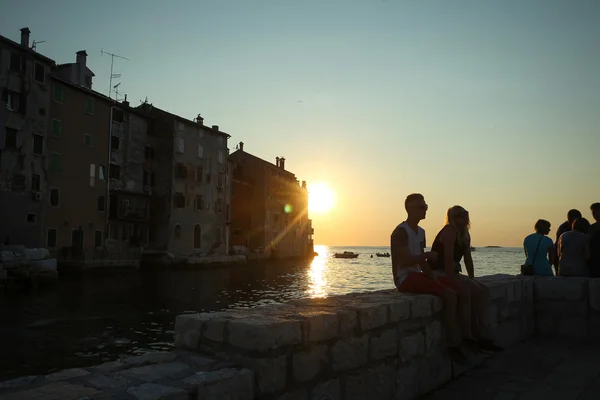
{"type": "Point", "coordinates": [321, 198]}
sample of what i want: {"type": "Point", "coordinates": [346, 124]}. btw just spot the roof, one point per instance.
{"type": "Point", "coordinates": [63, 66]}
{"type": "Point", "coordinates": [27, 50]}
{"type": "Point", "coordinates": [84, 89]}
{"type": "Point", "coordinates": [182, 119]}
{"type": "Point", "coordinates": [239, 153]}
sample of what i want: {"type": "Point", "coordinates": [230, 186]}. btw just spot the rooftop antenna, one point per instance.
{"type": "Point", "coordinates": [112, 61]}
{"type": "Point", "coordinates": [35, 43]}
{"type": "Point", "coordinates": [116, 87]}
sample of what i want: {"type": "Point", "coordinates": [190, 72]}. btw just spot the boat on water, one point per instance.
{"type": "Point", "coordinates": [382, 254]}
{"type": "Point", "coordinates": [346, 254]}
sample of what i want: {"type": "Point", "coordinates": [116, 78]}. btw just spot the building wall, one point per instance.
{"type": "Point", "coordinates": [81, 174]}
{"type": "Point", "coordinates": [21, 208]}
{"type": "Point", "coordinates": [205, 178]}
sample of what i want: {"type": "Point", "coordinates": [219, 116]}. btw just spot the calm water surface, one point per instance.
{"type": "Point", "coordinates": [99, 317]}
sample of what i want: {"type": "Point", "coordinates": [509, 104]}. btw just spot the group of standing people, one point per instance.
{"type": "Point", "coordinates": [438, 272]}
{"type": "Point", "coordinates": [576, 251]}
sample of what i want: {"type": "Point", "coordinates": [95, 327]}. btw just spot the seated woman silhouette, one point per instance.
{"type": "Point", "coordinates": [539, 247]}
{"type": "Point", "coordinates": [574, 250]}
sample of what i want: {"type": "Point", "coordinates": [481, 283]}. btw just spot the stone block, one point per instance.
{"type": "Point", "coordinates": [497, 289]}
{"type": "Point", "coordinates": [151, 373]}
{"type": "Point", "coordinates": [438, 305]}
{"type": "Point", "coordinates": [262, 333]}
{"type": "Point", "coordinates": [561, 309]}
{"type": "Point", "coordinates": [374, 383]}
{"type": "Point", "coordinates": [224, 384]}
{"type": "Point", "coordinates": [510, 291]}
{"type": "Point", "coordinates": [384, 344]}
{"type": "Point", "coordinates": [545, 325]}
{"type": "Point", "coordinates": [371, 316]}
{"type": "Point", "coordinates": [509, 311]}
{"type": "Point", "coordinates": [527, 293]}
{"type": "Point", "coordinates": [53, 391]}
{"type": "Point", "coordinates": [67, 374]}
{"type": "Point", "coordinates": [407, 381]}
{"type": "Point", "coordinates": [399, 309]}
{"type": "Point", "coordinates": [434, 370]}
{"type": "Point", "coordinates": [299, 394]}
{"type": "Point", "coordinates": [350, 353]}
{"type": "Point", "coordinates": [214, 329]}
{"type": "Point", "coordinates": [411, 346]}
{"type": "Point", "coordinates": [571, 289]}
{"type": "Point", "coordinates": [490, 319]}
{"type": "Point", "coordinates": [433, 334]}
{"type": "Point", "coordinates": [594, 288]}
{"type": "Point", "coordinates": [573, 328]}
{"type": "Point", "coordinates": [110, 366]}
{"type": "Point", "coordinates": [507, 333]}
{"type": "Point", "coordinates": [187, 339]}
{"type": "Point", "coordinates": [188, 329]}
{"type": "Point", "coordinates": [157, 357]}
{"type": "Point", "coordinates": [421, 305]}
{"type": "Point", "coordinates": [104, 382]}
{"type": "Point", "coordinates": [270, 373]}
{"type": "Point", "coordinates": [308, 364]}
{"type": "Point", "coordinates": [348, 322]}
{"type": "Point", "coordinates": [321, 325]}
{"type": "Point", "coordinates": [329, 390]}
{"type": "Point", "coordinates": [151, 391]}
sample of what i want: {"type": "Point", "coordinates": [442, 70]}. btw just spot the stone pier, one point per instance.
{"type": "Point", "coordinates": [377, 345]}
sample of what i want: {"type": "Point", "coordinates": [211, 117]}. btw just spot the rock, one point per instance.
{"type": "Point", "coordinates": [350, 353]}
{"type": "Point", "coordinates": [411, 346]}
{"type": "Point", "coordinates": [225, 384]}
{"type": "Point", "coordinates": [262, 333]}
{"type": "Point", "coordinates": [384, 344]}
{"type": "Point", "coordinates": [322, 325]}
{"type": "Point", "coordinates": [308, 364]}
{"type": "Point", "coordinates": [329, 390]}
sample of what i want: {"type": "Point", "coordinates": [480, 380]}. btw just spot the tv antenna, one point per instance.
{"type": "Point", "coordinates": [112, 75]}
{"type": "Point", "coordinates": [116, 87]}
{"type": "Point", "coordinates": [35, 43]}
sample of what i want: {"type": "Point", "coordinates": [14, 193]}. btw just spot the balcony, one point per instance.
{"type": "Point", "coordinates": [129, 208]}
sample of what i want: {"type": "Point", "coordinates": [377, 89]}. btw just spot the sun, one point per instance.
{"type": "Point", "coordinates": [321, 198]}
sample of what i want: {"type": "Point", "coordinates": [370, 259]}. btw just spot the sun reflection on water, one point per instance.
{"type": "Point", "coordinates": [316, 273]}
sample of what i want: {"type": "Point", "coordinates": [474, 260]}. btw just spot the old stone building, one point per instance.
{"type": "Point", "coordinates": [24, 160]}
{"type": "Point", "coordinates": [269, 207]}
{"type": "Point", "coordinates": [77, 151]}
{"type": "Point", "coordinates": [191, 186]}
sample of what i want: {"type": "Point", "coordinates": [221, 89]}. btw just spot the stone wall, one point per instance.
{"type": "Point", "coordinates": [378, 345]}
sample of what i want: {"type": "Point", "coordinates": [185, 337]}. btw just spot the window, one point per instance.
{"type": "Point", "coordinates": [200, 133]}
{"type": "Point", "coordinates": [152, 179]}
{"type": "Point", "coordinates": [197, 237]}
{"type": "Point", "coordinates": [42, 111]}
{"type": "Point", "coordinates": [180, 126]}
{"type": "Point", "coordinates": [220, 181]}
{"type": "Point", "coordinates": [114, 171]}
{"type": "Point", "coordinates": [87, 139]}
{"type": "Point", "coordinates": [56, 128]}
{"type": "Point", "coordinates": [148, 153]}
{"type": "Point", "coordinates": [55, 162]}
{"type": "Point", "coordinates": [146, 178]}
{"type": "Point", "coordinates": [10, 140]}
{"type": "Point", "coordinates": [219, 206]}
{"type": "Point", "coordinates": [200, 151]}
{"type": "Point", "coordinates": [179, 200]}
{"type": "Point", "coordinates": [89, 105]}
{"type": "Point", "coordinates": [179, 145]}
{"type": "Point", "coordinates": [98, 238]}
{"type": "Point", "coordinates": [199, 172]}
{"type": "Point", "coordinates": [101, 203]}
{"type": "Point", "coordinates": [101, 172]}
{"type": "Point", "coordinates": [199, 203]}
{"type": "Point", "coordinates": [54, 197]}
{"type": "Point", "coordinates": [12, 99]}
{"type": "Point", "coordinates": [58, 93]}
{"type": "Point", "coordinates": [180, 171]}
{"type": "Point", "coordinates": [114, 143]}
{"type": "Point", "coordinates": [51, 238]}
{"type": "Point", "coordinates": [220, 156]}
{"type": "Point", "coordinates": [38, 144]}
{"type": "Point", "coordinates": [177, 232]}
{"type": "Point", "coordinates": [117, 115]}
{"type": "Point", "coordinates": [31, 218]}
{"type": "Point", "coordinates": [16, 62]}
{"type": "Point", "coordinates": [219, 233]}
{"type": "Point", "coordinates": [35, 183]}
{"type": "Point", "coordinates": [39, 73]}
{"type": "Point", "coordinates": [92, 174]}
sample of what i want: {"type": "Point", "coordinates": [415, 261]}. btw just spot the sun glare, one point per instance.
{"type": "Point", "coordinates": [321, 198]}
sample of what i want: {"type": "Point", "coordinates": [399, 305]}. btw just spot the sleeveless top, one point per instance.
{"type": "Point", "coordinates": [416, 243]}
{"type": "Point", "coordinates": [438, 246]}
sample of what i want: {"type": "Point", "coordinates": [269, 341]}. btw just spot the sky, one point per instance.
{"type": "Point", "coordinates": [492, 105]}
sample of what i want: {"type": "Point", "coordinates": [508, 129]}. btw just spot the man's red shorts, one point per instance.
{"type": "Point", "coordinates": [419, 283]}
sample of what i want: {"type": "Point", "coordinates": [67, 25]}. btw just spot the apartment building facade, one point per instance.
{"type": "Point", "coordinates": [269, 207]}
{"type": "Point", "coordinates": [24, 107]}
{"type": "Point", "coordinates": [191, 192]}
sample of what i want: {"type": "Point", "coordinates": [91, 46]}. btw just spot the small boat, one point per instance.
{"type": "Point", "coordinates": [346, 254]}
{"type": "Point", "coordinates": [472, 248]}
{"type": "Point", "coordinates": [382, 254]}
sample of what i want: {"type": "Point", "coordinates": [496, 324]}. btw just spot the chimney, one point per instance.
{"type": "Point", "coordinates": [199, 120]}
{"type": "Point", "coordinates": [277, 161]}
{"type": "Point", "coordinates": [81, 58]}
{"type": "Point", "coordinates": [282, 163]}
{"type": "Point", "coordinates": [25, 37]}
{"type": "Point", "coordinates": [125, 102]}
{"type": "Point", "coordinates": [304, 184]}
{"type": "Point", "coordinates": [215, 127]}
{"type": "Point", "coordinates": [241, 146]}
